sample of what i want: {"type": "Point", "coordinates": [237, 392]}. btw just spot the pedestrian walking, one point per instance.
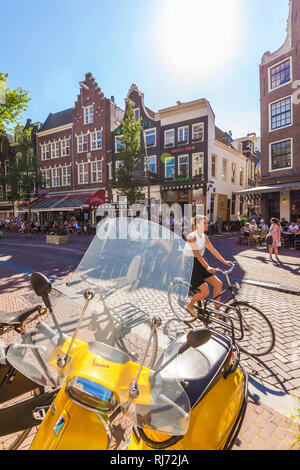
{"type": "Point", "coordinates": [275, 232]}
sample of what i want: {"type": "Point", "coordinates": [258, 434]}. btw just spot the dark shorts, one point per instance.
{"type": "Point", "coordinates": [199, 275]}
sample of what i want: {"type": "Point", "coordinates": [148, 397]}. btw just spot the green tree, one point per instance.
{"type": "Point", "coordinates": [23, 175]}
{"type": "Point", "coordinates": [12, 104]}
{"type": "Point", "coordinates": [131, 158]}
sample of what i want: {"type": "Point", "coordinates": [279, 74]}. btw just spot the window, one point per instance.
{"type": "Point", "coordinates": [183, 166]}
{"type": "Point", "coordinates": [198, 164]}
{"type": "Point", "coordinates": [233, 173]}
{"type": "Point", "coordinates": [88, 115]}
{"type": "Point", "coordinates": [118, 144]}
{"type": "Point", "coordinates": [65, 147]}
{"type": "Point", "coordinates": [96, 140]}
{"type": "Point", "coordinates": [1, 192]}
{"type": "Point", "coordinates": [233, 204]}
{"type": "Point", "coordinates": [281, 155]}
{"type": "Point", "coordinates": [54, 149]}
{"type": "Point", "coordinates": [198, 132]}
{"type": "Point", "coordinates": [281, 113]}
{"type": "Point", "coordinates": [212, 207]}
{"type": "Point", "coordinates": [83, 173]}
{"type": "Point", "coordinates": [213, 166]}
{"type": "Point", "coordinates": [241, 176]}
{"type": "Point", "coordinates": [170, 138]}
{"type": "Point", "coordinates": [170, 167]}
{"type": "Point", "coordinates": [136, 114]}
{"type": "Point", "coordinates": [6, 167]}
{"type": "Point", "coordinates": [183, 135]}
{"type": "Point", "coordinates": [45, 151]}
{"type": "Point", "coordinates": [46, 174]}
{"type": "Point", "coordinates": [280, 74]}
{"type": "Point", "coordinates": [117, 166]}
{"type": "Point", "coordinates": [224, 169]}
{"type": "Point", "coordinates": [150, 163]}
{"type": "Point", "coordinates": [96, 170]}
{"type": "Point", "coordinates": [55, 177]}
{"type": "Point", "coordinates": [150, 137]}
{"type": "Point", "coordinates": [82, 143]}
{"type": "Point", "coordinates": [8, 190]}
{"type": "Point", "coordinates": [66, 176]}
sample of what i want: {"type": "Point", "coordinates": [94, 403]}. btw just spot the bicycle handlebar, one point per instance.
{"type": "Point", "coordinates": [226, 272]}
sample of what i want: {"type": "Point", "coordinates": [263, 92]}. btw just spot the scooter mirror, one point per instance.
{"type": "Point", "coordinates": [195, 338]}
{"type": "Point", "coordinates": [40, 284]}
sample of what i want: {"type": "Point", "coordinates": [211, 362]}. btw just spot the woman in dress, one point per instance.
{"type": "Point", "coordinates": [276, 236]}
{"type": "Point", "coordinates": [203, 274]}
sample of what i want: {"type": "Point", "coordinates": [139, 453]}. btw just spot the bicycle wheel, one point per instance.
{"type": "Point", "coordinates": [133, 342]}
{"type": "Point", "coordinates": [258, 332]}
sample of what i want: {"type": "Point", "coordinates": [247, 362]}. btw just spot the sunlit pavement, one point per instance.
{"type": "Point", "coordinates": [277, 375]}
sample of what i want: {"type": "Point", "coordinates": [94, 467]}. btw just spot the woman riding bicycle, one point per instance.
{"type": "Point", "coordinates": [203, 274]}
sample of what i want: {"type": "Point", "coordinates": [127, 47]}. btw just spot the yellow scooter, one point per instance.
{"type": "Point", "coordinates": [108, 351]}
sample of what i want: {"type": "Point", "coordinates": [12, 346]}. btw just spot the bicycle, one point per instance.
{"type": "Point", "coordinates": [248, 325]}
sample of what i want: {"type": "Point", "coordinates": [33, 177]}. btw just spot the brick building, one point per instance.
{"type": "Point", "coordinates": [6, 156]}
{"type": "Point", "coordinates": [193, 160]}
{"type": "Point", "coordinates": [74, 148]}
{"type": "Point", "coordinates": [280, 123]}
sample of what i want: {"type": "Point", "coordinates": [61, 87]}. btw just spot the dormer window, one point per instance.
{"type": "Point", "coordinates": [88, 114]}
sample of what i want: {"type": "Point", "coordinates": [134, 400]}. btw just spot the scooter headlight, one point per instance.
{"type": "Point", "coordinates": [91, 394]}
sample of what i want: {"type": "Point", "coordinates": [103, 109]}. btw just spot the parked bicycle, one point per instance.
{"type": "Point", "coordinates": [247, 324]}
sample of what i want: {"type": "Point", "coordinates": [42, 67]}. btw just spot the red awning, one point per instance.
{"type": "Point", "coordinates": [96, 199]}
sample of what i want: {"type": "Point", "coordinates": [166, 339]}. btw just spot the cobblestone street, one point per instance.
{"type": "Point", "coordinates": [264, 427]}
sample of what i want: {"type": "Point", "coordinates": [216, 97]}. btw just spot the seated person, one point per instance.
{"type": "Point", "coordinates": [293, 228]}
{"type": "Point", "coordinates": [253, 226]}
{"type": "Point", "coordinates": [263, 226]}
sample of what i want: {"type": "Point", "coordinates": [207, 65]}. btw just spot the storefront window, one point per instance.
{"type": "Point", "coordinates": [295, 205]}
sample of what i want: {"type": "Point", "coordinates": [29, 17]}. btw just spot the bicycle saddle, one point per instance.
{"type": "Point", "coordinates": [9, 318]}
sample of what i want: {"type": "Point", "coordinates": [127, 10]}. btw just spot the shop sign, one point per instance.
{"type": "Point", "coordinates": [182, 180]}
{"type": "Point", "coordinates": [145, 125]}
{"type": "Point", "coordinates": [184, 149]}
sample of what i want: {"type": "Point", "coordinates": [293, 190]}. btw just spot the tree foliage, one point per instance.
{"type": "Point", "coordinates": [131, 158]}
{"type": "Point", "coordinates": [12, 104]}
{"type": "Point", "coordinates": [23, 175]}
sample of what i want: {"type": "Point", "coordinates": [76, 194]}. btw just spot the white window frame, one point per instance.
{"type": "Point", "coordinates": [89, 116]}
{"type": "Point", "coordinates": [216, 166]}
{"type": "Point", "coordinates": [56, 177]}
{"type": "Point", "coordinates": [154, 159]}
{"type": "Point", "coordinates": [183, 128]}
{"type": "Point", "coordinates": [96, 170]}
{"type": "Point", "coordinates": [45, 150]}
{"type": "Point", "coordinates": [47, 177]}
{"type": "Point", "coordinates": [233, 173]}
{"type": "Point", "coordinates": [54, 148]}
{"type": "Point", "coordinates": [83, 171]}
{"type": "Point", "coordinates": [166, 161]}
{"type": "Point", "coordinates": [7, 189]}
{"type": "Point", "coordinates": [6, 167]}
{"type": "Point", "coordinates": [81, 141]}
{"type": "Point", "coordinates": [1, 192]}
{"type": "Point", "coordinates": [193, 167]}
{"type": "Point", "coordinates": [292, 155]}
{"type": "Point", "coordinates": [242, 176]}
{"type": "Point", "coordinates": [173, 138]}
{"type": "Point", "coordinates": [137, 110]}
{"type": "Point", "coordinates": [117, 139]}
{"type": "Point", "coordinates": [275, 65]}
{"type": "Point", "coordinates": [149, 131]}
{"type": "Point", "coordinates": [196, 139]}
{"type": "Point", "coordinates": [66, 175]}
{"type": "Point", "coordinates": [65, 147]}
{"type": "Point", "coordinates": [96, 142]}
{"type": "Point", "coordinates": [270, 113]}
{"type": "Point", "coordinates": [224, 178]}
{"type": "Point", "coordinates": [186, 157]}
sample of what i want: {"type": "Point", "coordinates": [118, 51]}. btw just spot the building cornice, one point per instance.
{"type": "Point", "coordinates": [55, 129]}
{"type": "Point", "coordinates": [230, 149]}
{"type": "Point", "coordinates": [180, 107]}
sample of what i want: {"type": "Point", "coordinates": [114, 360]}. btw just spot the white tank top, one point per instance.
{"type": "Point", "coordinates": [199, 244]}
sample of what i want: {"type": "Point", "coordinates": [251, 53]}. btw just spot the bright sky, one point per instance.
{"type": "Point", "coordinates": [172, 49]}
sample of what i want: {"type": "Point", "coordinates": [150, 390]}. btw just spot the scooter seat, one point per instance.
{"type": "Point", "coordinates": [9, 318]}
{"type": "Point", "coordinates": [200, 368]}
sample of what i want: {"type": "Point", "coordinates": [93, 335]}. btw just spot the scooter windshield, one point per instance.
{"type": "Point", "coordinates": [128, 270]}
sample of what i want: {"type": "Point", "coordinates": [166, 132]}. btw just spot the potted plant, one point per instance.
{"type": "Point", "coordinates": [57, 236]}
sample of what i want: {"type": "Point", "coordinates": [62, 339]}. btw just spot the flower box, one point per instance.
{"type": "Point", "coordinates": [57, 239]}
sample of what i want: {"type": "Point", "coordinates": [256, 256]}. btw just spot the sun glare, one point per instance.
{"type": "Point", "coordinates": [198, 35]}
